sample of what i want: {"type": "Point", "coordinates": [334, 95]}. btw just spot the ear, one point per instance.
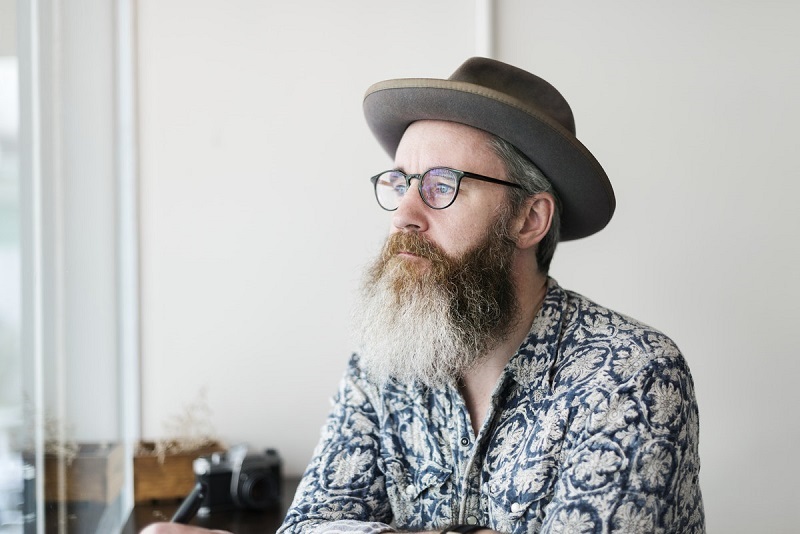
{"type": "Point", "coordinates": [533, 221]}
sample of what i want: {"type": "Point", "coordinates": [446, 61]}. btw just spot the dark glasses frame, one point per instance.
{"type": "Point", "coordinates": [460, 175]}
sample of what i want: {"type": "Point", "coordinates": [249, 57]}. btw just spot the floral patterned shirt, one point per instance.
{"type": "Point", "coordinates": [593, 428]}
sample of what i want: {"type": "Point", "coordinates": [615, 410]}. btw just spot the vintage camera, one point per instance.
{"type": "Point", "coordinates": [236, 479]}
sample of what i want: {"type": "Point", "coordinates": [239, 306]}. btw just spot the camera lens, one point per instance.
{"type": "Point", "coordinates": [256, 490]}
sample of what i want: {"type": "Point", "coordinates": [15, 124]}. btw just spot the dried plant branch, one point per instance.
{"type": "Point", "coordinates": [57, 440]}
{"type": "Point", "coordinates": [189, 430]}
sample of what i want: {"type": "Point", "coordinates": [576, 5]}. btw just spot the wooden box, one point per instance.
{"type": "Point", "coordinates": [95, 474]}
{"type": "Point", "coordinates": [171, 479]}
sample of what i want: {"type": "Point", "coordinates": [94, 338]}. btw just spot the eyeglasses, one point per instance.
{"type": "Point", "coordinates": [438, 187]}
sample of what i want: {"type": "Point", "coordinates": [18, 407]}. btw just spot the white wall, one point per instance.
{"type": "Point", "coordinates": [257, 216]}
{"type": "Point", "coordinates": [256, 207]}
{"type": "Point", "coordinates": [692, 108]}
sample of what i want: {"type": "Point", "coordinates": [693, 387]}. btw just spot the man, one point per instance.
{"type": "Point", "coordinates": [484, 397]}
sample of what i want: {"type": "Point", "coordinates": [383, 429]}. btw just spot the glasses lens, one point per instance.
{"type": "Point", "coordinates": [439, 187]}
{"type": "Point", "coordinates": [390, 188]}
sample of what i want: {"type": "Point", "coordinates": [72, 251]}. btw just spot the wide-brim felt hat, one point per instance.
{"type": "Point", "coordinates": [514, 105]}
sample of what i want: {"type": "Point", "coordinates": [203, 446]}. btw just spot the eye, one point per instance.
{"type": "Point", "coordinates": [440, 182]}
{"type": "Point", "coordinates": [398, 185]}
{"type": "Point", "coordinates": [441, 188]}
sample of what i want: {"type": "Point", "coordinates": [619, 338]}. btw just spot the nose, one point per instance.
{"type": "Point", "coordinates": [412, 213]}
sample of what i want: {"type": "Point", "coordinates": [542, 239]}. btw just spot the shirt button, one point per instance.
{"type": "Point", "coordinates": [465, 441]}
{"type": "Point", "coordinates": [411, 489]}
{"type": "Point", "coordinates": [472, 520]}
{"type": "Point", "coordinates": [516, 507]}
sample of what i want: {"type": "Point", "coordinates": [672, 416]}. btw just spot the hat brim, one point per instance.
{"type": "Point", "coordinates": [587, 198]}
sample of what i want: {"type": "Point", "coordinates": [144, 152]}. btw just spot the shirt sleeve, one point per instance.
{"type": "Point", "coordinates": [633, 463]}
{"type": "Point", "coordinates": [343, 488]}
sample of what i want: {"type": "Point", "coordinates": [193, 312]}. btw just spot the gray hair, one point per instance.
{"type": "Point", "coordinates": [522, 171]}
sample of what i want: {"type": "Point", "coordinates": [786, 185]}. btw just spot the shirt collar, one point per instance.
{"type": "Point", "coordinates": [532, 365]}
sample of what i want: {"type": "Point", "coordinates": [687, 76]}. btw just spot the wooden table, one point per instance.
{"type": "Point", "coordinates": [236, 521]}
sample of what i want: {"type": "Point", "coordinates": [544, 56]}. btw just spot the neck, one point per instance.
{"type": "Point", "coordinates": [478, 382]}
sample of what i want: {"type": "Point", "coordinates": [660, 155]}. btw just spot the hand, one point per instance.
{"type": "Point", "coordinates": [175, 528]}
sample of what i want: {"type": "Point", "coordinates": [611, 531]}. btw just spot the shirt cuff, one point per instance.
{"type": "Point", "coordinates": [353, 527]}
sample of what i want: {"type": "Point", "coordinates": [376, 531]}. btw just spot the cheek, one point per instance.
{"type": "Point", "coordinates": [465, 236]}
{"type": "Point", "coordinates": [455, 241]}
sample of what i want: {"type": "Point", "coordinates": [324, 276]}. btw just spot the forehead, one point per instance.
{"type": "Point", "coordinates": [428, 143]}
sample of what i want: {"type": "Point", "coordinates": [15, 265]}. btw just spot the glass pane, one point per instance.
{"type": "Point", "coordinates": [84, 460]}
{"type": "Point", "coordinates": [62, 389]}
{"type": "Point", "coordinates": [12, 470]}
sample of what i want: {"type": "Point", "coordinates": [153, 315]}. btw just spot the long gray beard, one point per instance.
{"type": "Point", "coordinates": [434, 325]}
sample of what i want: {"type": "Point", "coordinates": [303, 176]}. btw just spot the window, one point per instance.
{"type": "Point", "coordinates": [68, 321]}
{"type": "Point", "coordinates": [11, 399]}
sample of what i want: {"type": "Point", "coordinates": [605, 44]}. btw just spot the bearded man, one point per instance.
{"type": "Point", "coordinates": [483, 396]}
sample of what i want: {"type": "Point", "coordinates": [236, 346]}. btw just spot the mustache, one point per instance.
{"type": "Point", "coordinates": [415, 244]}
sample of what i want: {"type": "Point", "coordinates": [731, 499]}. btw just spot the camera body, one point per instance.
{"type": "Point", "coordinates": [238, 480]}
